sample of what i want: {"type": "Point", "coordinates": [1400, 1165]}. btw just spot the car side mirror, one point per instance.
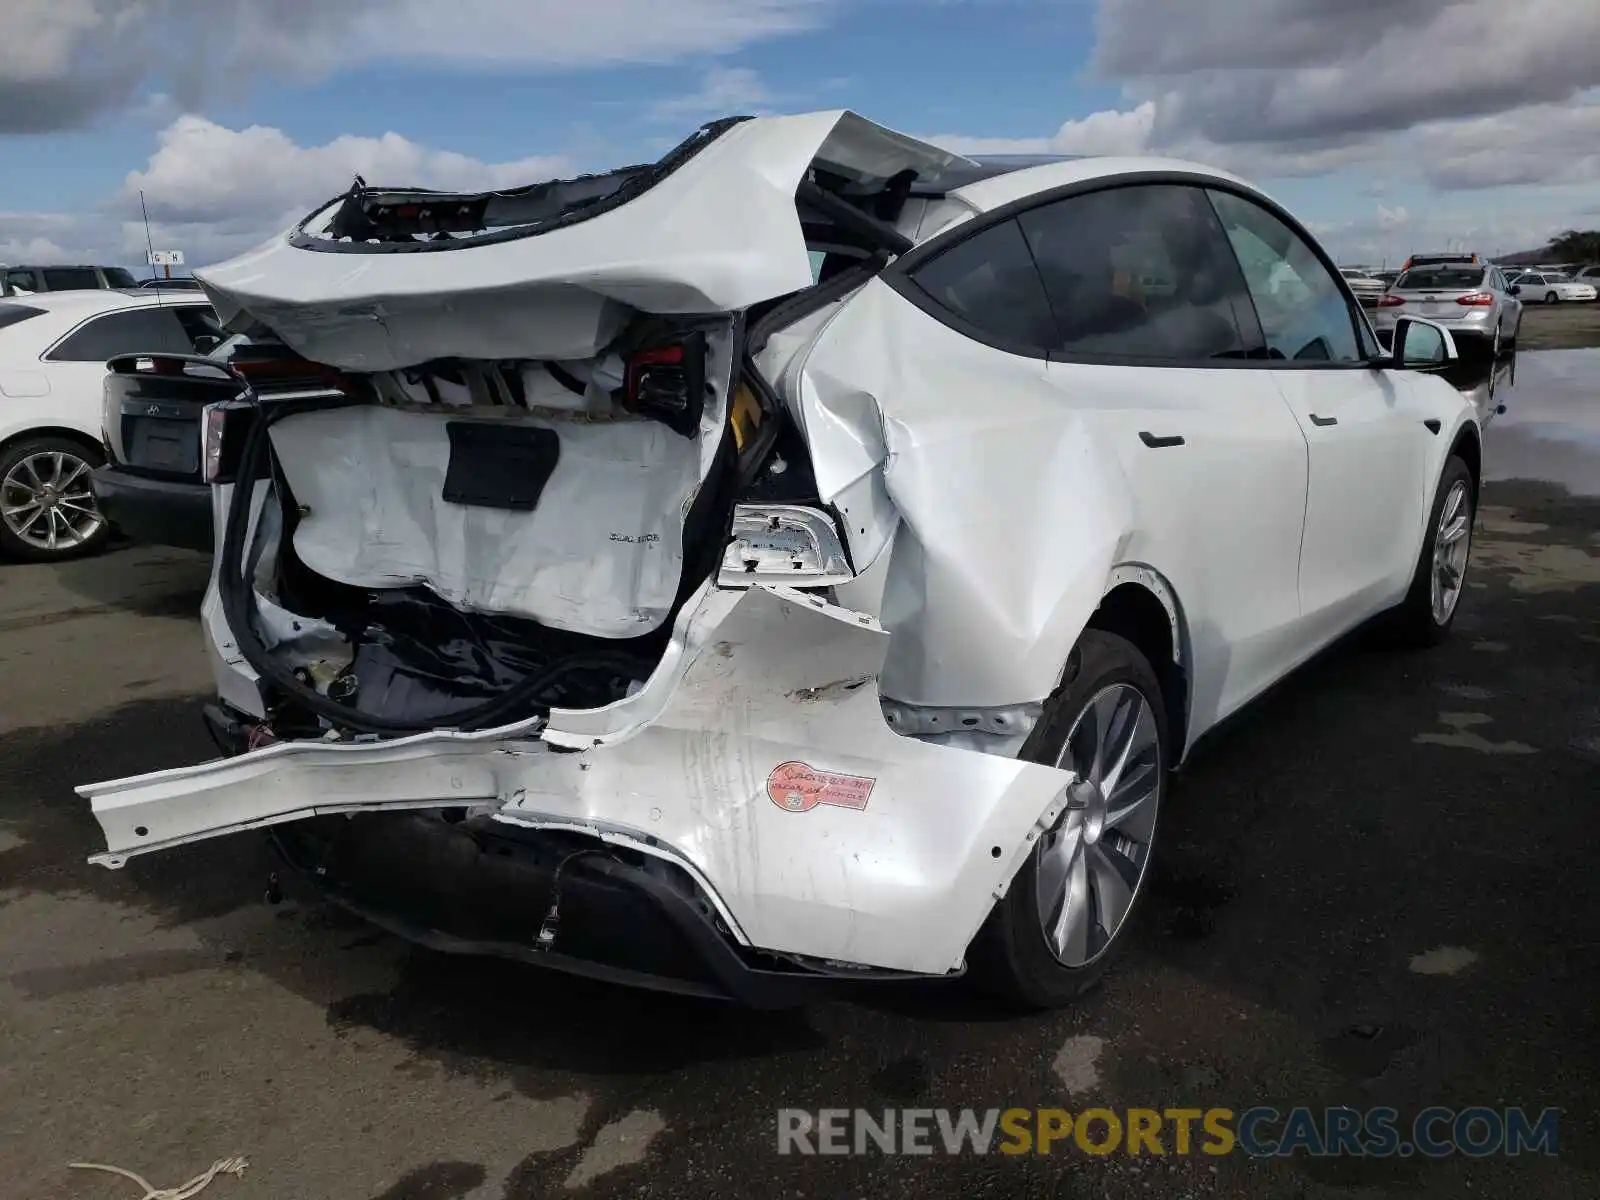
{"type": "Point", "coordinates": [1515, 289]}
{"type": "Point", "coordinates": [1419, 343]}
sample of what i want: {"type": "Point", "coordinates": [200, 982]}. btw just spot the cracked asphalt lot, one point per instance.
{"type": "Point", "coordinates": [1378, 886]}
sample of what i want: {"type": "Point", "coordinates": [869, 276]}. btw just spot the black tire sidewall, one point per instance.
{"type": "Point", "coordinates": [1010, 955]}
{"type": "Point", "coordinates": [14, 548]}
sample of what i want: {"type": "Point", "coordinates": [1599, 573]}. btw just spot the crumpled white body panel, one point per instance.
{"type": "Point", "coordinates": [1002, 522]}
{"type": "Point", "coordinates": [601, 554]}
{"type": "Point", "coordinates": [691, 769]}
{"type": "Point", "coordinates": [718, 235]}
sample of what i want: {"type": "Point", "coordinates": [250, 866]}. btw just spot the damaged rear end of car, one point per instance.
{"type": "Point", "coordinates": [526, 615]}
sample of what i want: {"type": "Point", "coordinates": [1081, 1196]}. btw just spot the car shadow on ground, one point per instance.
{"type": "Point", "coordinates": [152, 581]}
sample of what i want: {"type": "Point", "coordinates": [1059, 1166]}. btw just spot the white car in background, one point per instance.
{"type": "Point", "coordinates": [614, 586]}
{"type": "Point", "coordinates": [1552, 287]}
{"type": "Point", "coordinates": [53, 350]}
{"type": "Point", "coordinates": [1366, 287]}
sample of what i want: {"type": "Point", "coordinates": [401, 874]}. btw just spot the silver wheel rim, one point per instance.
{"type": "Point", "coordinates": [1451, 542]}
{"type": "Point", "coordinates": [46, 502]}
{"type": "Point", "coordinates": [1089, 867]}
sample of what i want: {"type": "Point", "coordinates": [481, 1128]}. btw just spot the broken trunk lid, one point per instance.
{"type": "Point", "coordinates": [718, 232]}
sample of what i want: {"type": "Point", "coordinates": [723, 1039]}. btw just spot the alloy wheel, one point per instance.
{"type": "Point", "coordinates": [1452, 541]}
{"type": "Point", "coordinates": [1091, 864]}
{"type": "Point", "coordinates": [45, 500]}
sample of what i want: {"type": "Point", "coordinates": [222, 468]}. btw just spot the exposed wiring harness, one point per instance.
{"type": "Point", "coordinates": [238, 605]}
{"type": "Point", "coordinates": [552, 918]}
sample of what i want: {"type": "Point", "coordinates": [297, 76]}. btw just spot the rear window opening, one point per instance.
{"type": "Point", "coordinates": [849, 217]}
{"type": "Point", "coordinates": [369, 218]}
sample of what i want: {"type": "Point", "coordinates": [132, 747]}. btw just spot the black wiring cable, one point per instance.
{"type": "Point", "coordinates": [238, 606]}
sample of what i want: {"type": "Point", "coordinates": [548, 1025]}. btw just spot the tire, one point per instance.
{"type": "Point", "coordinates": [1551, 298]}
{"type": "Point", "coordinates": [31, 475]}
{"type": "Point", "coordinates": [1110, 687]}
{"type": "Point", "coordinates": [1421, 619]}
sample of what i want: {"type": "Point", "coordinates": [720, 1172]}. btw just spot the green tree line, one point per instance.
{"type": "Point", "coordinates": [1575, 245]}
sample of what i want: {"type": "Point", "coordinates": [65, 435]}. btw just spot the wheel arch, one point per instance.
{"type": "Point", "coordinates": [59, 431]}
{"type": "Point", "coordinates": [1140, 606]}
{"type": "Point", "coordinates": [1468, 447]}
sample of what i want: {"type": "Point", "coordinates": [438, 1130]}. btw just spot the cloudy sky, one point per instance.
{"type": "Point", "coordinates": [1386, 124]}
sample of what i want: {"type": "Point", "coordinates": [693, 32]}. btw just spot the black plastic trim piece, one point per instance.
{"type": "Point", "coordinates": [499, 466]}
{"type": "Point", "coordinates": [898, 274]}
{"type": "Point", "coordinates": [1433, 426]}
{"type": "Point", "coordinates": [1157, 443]}
{"type": "Point", "coordinates": [1323, 421]}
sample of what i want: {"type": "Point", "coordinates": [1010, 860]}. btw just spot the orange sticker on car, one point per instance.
{"type": "Point", "coordinates": [797, 787]}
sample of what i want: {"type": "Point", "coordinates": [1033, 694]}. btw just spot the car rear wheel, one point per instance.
{"type": "Point", "coordinates": [1425, 616]}
{"type": "Point", "coordinates": [1551, 298]}
{"type": "Point", "coordinates": [1050, 939]}
{"type": "Point", "coordinates": [47, 510]}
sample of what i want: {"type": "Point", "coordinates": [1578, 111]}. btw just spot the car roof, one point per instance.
{"type": "Point", "coordinates": [83, 301]}
{"type": "Point", "coordinates": [1020, 182]}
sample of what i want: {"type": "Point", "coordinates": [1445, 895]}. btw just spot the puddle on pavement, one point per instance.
{"type": "Point", "coordinates": [1550, 430]}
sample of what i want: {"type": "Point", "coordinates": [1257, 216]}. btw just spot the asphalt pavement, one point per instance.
{"type": "Point", "coordinates": [1377, 886]}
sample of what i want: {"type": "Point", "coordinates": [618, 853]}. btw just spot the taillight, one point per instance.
{"type": "Point", "coordinates": [1391, 302]}
{"type": "Point", "coordinates": [213, 423]}
{"type": "Point", "coordinates": [292, 378]}
{"type": "Point", "coordinates": [1477, 300]}
{"type": "Point", "coordinates": [669, 383]}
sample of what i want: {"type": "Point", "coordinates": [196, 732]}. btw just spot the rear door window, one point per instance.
{"type": "Point", "coordinates": [1142, 272]}
{"type": "Point", "coordinates": [156, 330]}
{"type": "Point", "coordinates": [70, 279]}
{"type": "Point", "coordinates": [989, 282]}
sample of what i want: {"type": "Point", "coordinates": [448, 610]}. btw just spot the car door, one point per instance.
{"type": "Point", "coordinates": [1365, 426]}
{"type": "Point", "coordinates": [1215, 461]}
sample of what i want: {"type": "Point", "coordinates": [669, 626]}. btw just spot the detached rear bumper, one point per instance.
{"type": "Point", "coordinates": [754, 769]}
{"type": "Point", "coordinates": [158, 511]}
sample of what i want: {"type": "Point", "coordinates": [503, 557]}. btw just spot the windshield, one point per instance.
{"type": "Point", "coordinates": [1427, 279]}
{"type": "Point", "coordinates": [1350, 273]}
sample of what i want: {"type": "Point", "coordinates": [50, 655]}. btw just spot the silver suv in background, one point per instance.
{"type": "Point", "coordinates": [1471, 299]}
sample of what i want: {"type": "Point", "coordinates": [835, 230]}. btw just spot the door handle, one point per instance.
{"type": "Point", "coordinates": [1316, 420]}
{"type": "Point", "coordinates": [1156, 443]}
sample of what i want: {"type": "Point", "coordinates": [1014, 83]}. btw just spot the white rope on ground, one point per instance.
{"type": "Point", "coordinates": [223, 1166]}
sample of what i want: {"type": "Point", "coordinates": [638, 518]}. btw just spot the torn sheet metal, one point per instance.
{"type": "Point", "coordinates": [896, 870]}
{"type": "Point", "coordinates": [719, 234]}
